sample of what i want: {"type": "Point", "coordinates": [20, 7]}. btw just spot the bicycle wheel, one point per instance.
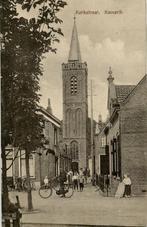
{"type": "Point", "coordinates": [45, 192]}
{"type": "Point", "coordinates": [56, 184]}
{"type": "Point", "coordinates": [69, 190]}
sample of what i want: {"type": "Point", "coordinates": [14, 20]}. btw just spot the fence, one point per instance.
{"type": "Point", "coordinates": [12, 218]}
{"type": "Point", "coordinates": [103, 182]}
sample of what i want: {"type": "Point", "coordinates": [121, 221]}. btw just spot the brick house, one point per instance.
{"type": "Point", "coordinates": [133, 121]}
{"type": "Point", "coordinates": [125, 134]}
{"type": "Point", "coordinates": [48, 163]}
{"type": "Point", "coordinates": [100, 141]}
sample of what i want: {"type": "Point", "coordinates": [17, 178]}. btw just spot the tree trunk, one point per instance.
{"type": "Point", "coordinates": [29, 191]}
{"type": "Point", "coordinates": [5, 195]}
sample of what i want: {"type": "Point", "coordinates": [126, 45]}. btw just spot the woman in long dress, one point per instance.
{"type": "Point", "coordinates": [120, 190]}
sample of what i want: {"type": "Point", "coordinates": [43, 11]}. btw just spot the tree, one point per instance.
{"type": "Point", "coordinates": [24, 41]}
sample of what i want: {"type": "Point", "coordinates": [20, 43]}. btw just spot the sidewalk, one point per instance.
{"type": "Point", "coordinates": [85, 208]}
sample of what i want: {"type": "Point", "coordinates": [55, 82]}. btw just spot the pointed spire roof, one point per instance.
{"type": "Point", "coordinates": [110, 77]}
{"type": "Point", "coordinates": [74, 53]}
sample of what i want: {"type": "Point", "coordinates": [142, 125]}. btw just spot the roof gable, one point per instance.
{"type": "Point", "coordinates": [134, 90]}
{"type": "Point", "coordinates": [122, 91]}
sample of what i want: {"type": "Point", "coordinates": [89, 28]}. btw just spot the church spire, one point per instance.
{"type": "Point", "coordinates": [74, 53]}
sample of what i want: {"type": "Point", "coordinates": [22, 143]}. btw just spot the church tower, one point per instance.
{"type": "Point", "coordinates": [75, 105]}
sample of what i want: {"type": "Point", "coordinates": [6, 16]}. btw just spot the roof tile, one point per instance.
{"type": "Point", "coordinates": [122, 91]}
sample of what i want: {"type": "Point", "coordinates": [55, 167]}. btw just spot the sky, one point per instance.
{"type": "Point", "coordinates": [116, 40]}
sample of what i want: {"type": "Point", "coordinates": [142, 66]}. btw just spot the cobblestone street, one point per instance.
{"type": "Point", "coordinates": [85, 208]}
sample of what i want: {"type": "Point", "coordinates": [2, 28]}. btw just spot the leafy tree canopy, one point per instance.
{"type": "Point", "coordinates": [24, 41]}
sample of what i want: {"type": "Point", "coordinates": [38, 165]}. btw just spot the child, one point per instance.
{"type": "Point", "coordinates": [127, 183]}
{"type": "Point", "coordinates": [75, 179]}
{"type": "Point", "coordinates": [46, 181]}
{"type": "Point", "coordinates": [81, 182]}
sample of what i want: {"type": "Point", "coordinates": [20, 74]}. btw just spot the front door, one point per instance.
{"type": "Point", "coordinates": [75, 166]}
{"type": "Point", "coordinates": [104, 164]}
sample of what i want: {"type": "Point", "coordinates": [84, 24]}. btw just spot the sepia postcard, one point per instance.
{"type": "Point", "coordinates": [74, 113]}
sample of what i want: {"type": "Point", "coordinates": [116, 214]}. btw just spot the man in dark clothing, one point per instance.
{"type": "Point", "coordinates": [63, 178]}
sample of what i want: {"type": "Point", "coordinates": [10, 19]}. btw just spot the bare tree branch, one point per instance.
{"type": "Point", "coordinates": [12, 161]}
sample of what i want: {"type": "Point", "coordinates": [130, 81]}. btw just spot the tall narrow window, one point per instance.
{"type": "Point", "coordinates": [73, 85]}
{"type": "Point", "coordinates": [79, 120]}
{"type": "Point", "coordinates": [68, 122]}
{"type": "Point", "coordinates": [23, 165]}
{"type": "Point", "coordinates": [74, 150]}
{"type": "Point", "coordinates": [55, 136]}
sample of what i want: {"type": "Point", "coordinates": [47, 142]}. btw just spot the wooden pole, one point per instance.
{"type": "Point", "coordinates": [92, 151]}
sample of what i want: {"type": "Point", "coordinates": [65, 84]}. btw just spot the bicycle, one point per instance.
{"type": "Point", "coordinates": [21, 184]}
{"type": "Point", "coordinates": [25, 184]}
{"type": "Point", "coordinates": [46, 191]}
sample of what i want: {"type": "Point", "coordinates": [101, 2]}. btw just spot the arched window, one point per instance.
{"type": "Point", "coordinates": [74, 150]}
{"type": "Point", "coordinates": [73, 85]}
{"type": "Point", "coordinates": [68, 122]}
{"type": "Point", "coordinates": [79, 120]}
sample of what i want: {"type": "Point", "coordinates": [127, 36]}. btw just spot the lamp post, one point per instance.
{"type": "Point", "coordinates": [92, 139]}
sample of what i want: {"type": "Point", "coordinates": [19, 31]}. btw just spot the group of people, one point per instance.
{"type": "Point", "coordinates": [124, 187]}
{"type": "Point", "coordinates": [77, 179]}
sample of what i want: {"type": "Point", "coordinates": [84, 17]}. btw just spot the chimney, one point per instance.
{"type": "Point", "coordinates": [49, 109]}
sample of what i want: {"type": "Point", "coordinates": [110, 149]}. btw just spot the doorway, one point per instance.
{"type": "Point", "coordinates": [75, 166]}
{"type": "Point", "coordinates": [104, 164]}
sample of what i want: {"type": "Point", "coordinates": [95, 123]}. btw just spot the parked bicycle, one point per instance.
{"type": "Point", "coordinates": [25, 184]}
{"type": "Point", "coordinates": [46, 191]}
{"type": "Point", "coordinates": [10, 184]}
{"type": "Point", "coordinates": [21, 184]}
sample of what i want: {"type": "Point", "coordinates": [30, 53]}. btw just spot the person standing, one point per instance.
{"type": "Point", "coordinates": [81, 171]}
{"type": "Point", "coordinates": [81, 182]}
{"type": "Point", "coordinates": [85, 175]}
{"type": "Point", "coordinates": [63, 178]}
{"type": "Point", "coordinates": [75, 180]}
{"type": "Point", "coordinates": [120, 189]}
{"type": "Point", "coordinates": [127, 182]}
{"type": "Point", "coordinates": [69, 177]}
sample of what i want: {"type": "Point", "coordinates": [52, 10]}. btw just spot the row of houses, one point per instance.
{"type": "Point", "coordinates": [121, 143]}
{"type": "Point", "coordinates": [43, 162]}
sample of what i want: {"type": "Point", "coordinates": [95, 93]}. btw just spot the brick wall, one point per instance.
{"type": "Point", "coordinates": [44, 166]}
{"type": "Point", "coordinates": [75, 108]}
{"type": "Point", "coordinates": [133, 120]}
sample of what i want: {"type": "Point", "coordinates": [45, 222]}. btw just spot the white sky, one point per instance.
{"type": "Point", "coordinates": [105, 40]}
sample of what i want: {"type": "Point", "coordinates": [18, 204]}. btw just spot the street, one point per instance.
{"type": "Point", "coordinates": [85, 208]}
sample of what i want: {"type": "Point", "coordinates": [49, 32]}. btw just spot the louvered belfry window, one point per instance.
{"type": "Point", "coordinates": [73, 85]}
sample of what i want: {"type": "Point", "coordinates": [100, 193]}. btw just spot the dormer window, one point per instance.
{"type": "Point", "coordinates": [73, 85]}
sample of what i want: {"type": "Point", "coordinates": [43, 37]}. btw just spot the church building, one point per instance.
{"type": "Point", "coordinates": [75, 104]}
